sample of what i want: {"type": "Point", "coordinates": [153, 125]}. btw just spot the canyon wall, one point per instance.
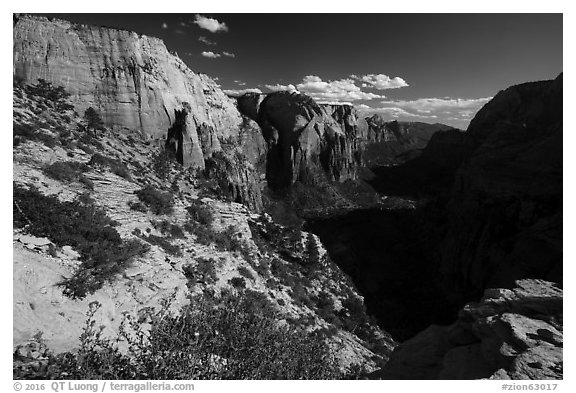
{"type": "Point", "coordinates": [306, 140]}
{"type": "Point", "coordinates": [505, 207]}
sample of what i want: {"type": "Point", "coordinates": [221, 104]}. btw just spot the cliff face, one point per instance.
{"type": "Point", "coordinates": [505, 208]}
{"type": "Point", "coordinates": [305, 140]}
{"type": "Point", "coordinates": [394, 142]}
{"type": "Point", "coordinates": [135, 83]}
{"type": "Point", "coordinates": [132, 80]}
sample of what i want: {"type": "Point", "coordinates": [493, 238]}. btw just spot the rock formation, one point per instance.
{"type": "Point", "coordinates": [132, 80]}
{"type": "Point", "coordinates": [135, 83]}
{"type": "Point", "coordinates": [305, 140]}
{"type": "Point", "coordinates": [509, 334]}
{"type": "Point", "coordinates": [505, 208]}
{"type": "Point", "coordinates": [394, 142]}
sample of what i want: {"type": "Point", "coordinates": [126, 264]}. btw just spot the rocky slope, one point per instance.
{"type": "Point", "coordinates": [132, 80]}
{"type": "Point", "coordinates": [204, 244]}
{"type": "Point", "coordinates": [509, 334]}
{"type": "Point", "coordinates": [306, 140]}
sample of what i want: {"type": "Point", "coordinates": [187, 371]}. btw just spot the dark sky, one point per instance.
{"type": "Point", "coordinates": [449, 64]}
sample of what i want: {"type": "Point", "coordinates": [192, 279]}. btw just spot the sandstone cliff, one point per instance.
{"type": "Point", "coordinates": [394, 142]}
{"type": "Point", "coordinates": [132, 80]}
{"type": "Point", "coordinates": [505, 208]}
{"type": "Point", "coordinates": [306, 140]}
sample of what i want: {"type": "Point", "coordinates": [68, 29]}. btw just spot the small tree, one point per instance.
{"type": "Point", "coordinates": [93, 120]}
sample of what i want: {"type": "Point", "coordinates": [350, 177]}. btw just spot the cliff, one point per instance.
{"type": "Point", "coordinates": [132, 80]}
{"type": "Point", "coordinates": [305, 140]}
{"type": "Point", "coordinates": [395, 142]}
{"type": "Point", "coordinates": [505, 207]}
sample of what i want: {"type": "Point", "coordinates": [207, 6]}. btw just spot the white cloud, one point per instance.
{"type": "Point", "coordinates": [362, 107]}
{"type": "Point", "coordinates": [334, 91]}
{"type": "Point", "coordinates": [441, 104]}
{"type": "Point", "coordinates": [381, 81]}
{"type": "Point", "coordinates": [279, 87]}
{"type": "Point", "coordinates": [211, 55]}
{"type": "Point", "coordinates": [210, 24]}
{"type": "Point", "coordinates": [238, 93]}
{"type": "Point", "coordinates": [228, 54]}
{"type": "Point", "coordinates": [240, 83]}
{"type": "Point", "coordinates": [206, 41]}
{"type": "Point", "coordinates": [164, 25]}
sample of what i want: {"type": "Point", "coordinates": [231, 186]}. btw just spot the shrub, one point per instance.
{"type": "Point", "coordinates": [200, 212]}
{"type": "Point", "coordinates": [138, 206]}
{"type": "Point", "coordinates": [162, 163]}
{"type": "Point", "coordinates": [160, 202]}
{"type": "Point", "coordinates": [93, 120]}
{"type": "Point", "coordinates": [243, 270]}
{"type": "Point", "coordinates": [212, 338]}
{"type": "Point", "coordinates": [206, 270]}
{"type": "Point", "coordinates": [237, 282]}
{"type": "Point", "coordinates": [82, 225]}
{"type": "Point", "coordinates": [65, 171]}
{"type": "Point", "coordinates": [115, 164]}
{"type": "Point", "coordinates": [56, 96]}
{"type": "Point", "coordinates": [165, 244]}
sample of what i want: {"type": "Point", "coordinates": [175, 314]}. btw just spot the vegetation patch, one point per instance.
{"type": "Point", "coordinates": [160, 202]}
{"type": "Point", "coordinates": [66, 171]}
{"type": "Point", "coordinates": [164, 244]}
{"type": "Point", "coordinates": [115, 164]}
{"type": "Point", "coordinates": [83, 226]}
{"type": "Point", "coordinates": [228, 337]}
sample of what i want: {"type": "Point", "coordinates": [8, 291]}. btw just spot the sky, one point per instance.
{"type": "Point", "coordinates": [435, 68]}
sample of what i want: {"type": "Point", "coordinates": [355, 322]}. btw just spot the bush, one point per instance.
{"type": "Point", "coordinates": [212, 338]}
{"type": "Point", "coordinates": [138, 207]}
{"type": "Point", "coordinates": [237, 282]}
{"type": "Point", "coordinates": [93, 120]}
{"type": "Point", "coordinates": [162, 163]}
{"type": "Point", "coordinates": [65, 171]}
{"type": "Point", "coordinates": [115, 164]}
{"type": "Point", "coordinates": [56, 96]}
{"type": "Point", "coordinates": [160, 202]}
{"type": "Point", "coordinates": [245, 272]}
{"type": "Point", "coordinates": [200, 212]}
{"type": "Point", "coordinates": [165, 244]}
{"type": "Point", "coordinates": [83, 226]}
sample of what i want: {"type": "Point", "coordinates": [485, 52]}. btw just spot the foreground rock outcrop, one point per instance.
{"type": "Point", "coordinates": [305, 140]}
{"type": "Point", "coordinates": [510, 334]}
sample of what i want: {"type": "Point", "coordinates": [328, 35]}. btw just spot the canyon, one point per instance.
{"type": "Point", "coordinates": [418, 222]}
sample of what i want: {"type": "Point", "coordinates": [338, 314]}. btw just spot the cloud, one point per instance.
{"type": "Point", "coordinates": [447, 104]}
{"type": "Point", "coordinates": [399, 112]}
{"type": "Point", "coordinates": [164, 25]}
{"type": "Point", "coordinates": [240, 83]}
{"type": "Point", "coordinates": [178, 31]}
{"type": "Point", "coordinates": [238, 93]}
{"type": "Point", "coordinates": [183, 24]}
{"type": "Point", "coordinates": [381, 81]}
{"type": "Point", "coordinates": [206, 41]}
{"type": "Point", "coordinates": [211, 55]}
{"type": "Point", "coordinates": [334, 91]}
{"type": "Point", "coordinates": [228, 54]}
{"type": "Point", "coordinates": [278, 87]}
{"type": "Point", "coordinates": [210, 24]}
